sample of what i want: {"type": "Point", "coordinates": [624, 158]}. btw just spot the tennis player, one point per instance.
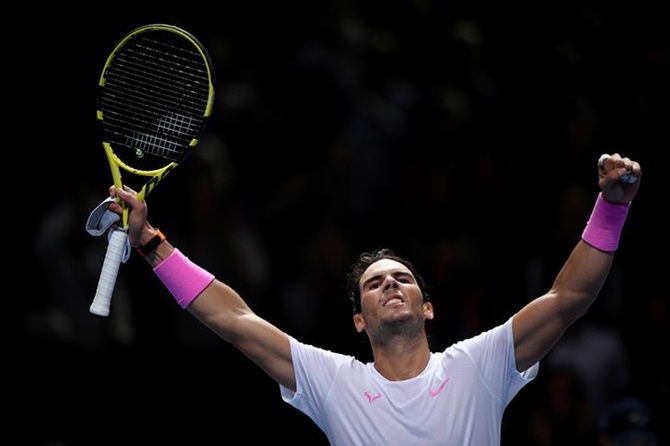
{"type": "Point", "coordinates": [408, 394]}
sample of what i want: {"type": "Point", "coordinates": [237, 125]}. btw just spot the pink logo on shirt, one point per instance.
{"type": "Point", "coordinates": [371, 397]}
{"type": "Point", "coordinates": [439, 389]}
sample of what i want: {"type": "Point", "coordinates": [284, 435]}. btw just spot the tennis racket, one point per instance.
{"type": "Point", "coordinates": [155, 96]}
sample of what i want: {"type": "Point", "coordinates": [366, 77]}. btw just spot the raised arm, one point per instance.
{"type": "Point", "coordinates": [212, 302]}
{"type": "Point", "coordinates": [542, 322]}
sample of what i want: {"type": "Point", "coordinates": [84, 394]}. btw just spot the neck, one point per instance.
{"type": "Point", "coordinates": [402, 357]}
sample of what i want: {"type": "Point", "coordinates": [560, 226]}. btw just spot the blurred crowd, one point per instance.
{"type": "Point", "coordinates": [464, 137]}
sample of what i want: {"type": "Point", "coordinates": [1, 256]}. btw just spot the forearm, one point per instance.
{"type": "Point", "coordinates": [186, 281]}
{"type": "Point", "coordinates": [580, 280]}
{"type": "Point", "coordinates": [584, 273]}
{"type": "Point", "coordinates": [220, 308]}
{"type": "Point", "coordinates": [213, 302]}
{"type": "Point", "coordinates": [540, 324]}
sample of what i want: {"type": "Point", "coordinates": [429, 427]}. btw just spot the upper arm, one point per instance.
{"type": "Point", "coordinates": [542, 322]}
{"type": "Point", "coordinates": [221, 309]}
{"type": "Point", "coordinates": [536, 328]}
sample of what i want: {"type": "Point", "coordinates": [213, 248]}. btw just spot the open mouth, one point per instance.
{"type": "Point", "coordinates": [393, 301]}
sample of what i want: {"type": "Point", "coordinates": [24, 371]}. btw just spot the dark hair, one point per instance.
{"type": "Point", "coordinates": [362, 263]}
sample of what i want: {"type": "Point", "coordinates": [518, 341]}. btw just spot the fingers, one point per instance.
{"type": "Point", "coordinates": [616, 168]}
{"type": "Point", "coordinates": [114, 190]}
{"type": "Point", "coordinates": [125, 195]}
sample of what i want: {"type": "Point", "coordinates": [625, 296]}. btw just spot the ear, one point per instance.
{"type": "Point", "coordinates": [359, 322]}
{"type": "Point", "coordinates": [428, 310]}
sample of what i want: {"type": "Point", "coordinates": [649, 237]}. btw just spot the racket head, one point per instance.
{"type": "Point", "coordinates": [155, 96]}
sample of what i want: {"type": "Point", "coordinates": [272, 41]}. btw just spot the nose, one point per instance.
{"type": "Point", "coordinates": [389, 282]}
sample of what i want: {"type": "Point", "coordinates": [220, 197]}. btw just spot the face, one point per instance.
{"type": "Point", "coordinates": [390, 297]}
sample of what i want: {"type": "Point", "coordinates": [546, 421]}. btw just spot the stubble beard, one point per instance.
{"type": "Point", "coordinates": [408, 327]}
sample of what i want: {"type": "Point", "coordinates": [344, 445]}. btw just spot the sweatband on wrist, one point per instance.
{"type": "Point", "coordinates": [183, 278]}
{"type": "Point", "coordinates": [604, 227]}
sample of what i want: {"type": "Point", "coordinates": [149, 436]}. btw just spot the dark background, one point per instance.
{"type": "Point", "coordinates": [465, 136]}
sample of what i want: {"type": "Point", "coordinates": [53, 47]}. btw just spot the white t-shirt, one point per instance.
{"type": "Point", "coordinates": [459, 399]}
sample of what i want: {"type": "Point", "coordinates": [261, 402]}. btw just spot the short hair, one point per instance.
{"type": "Point", "coordinates": [362, 263]}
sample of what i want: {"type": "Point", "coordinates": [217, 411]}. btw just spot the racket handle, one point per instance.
{"type": "Point", "coordinates": [110, 269]}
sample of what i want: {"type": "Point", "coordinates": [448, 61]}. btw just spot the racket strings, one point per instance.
{"type": "Point", "coordinates": [158, 144]}
{"type": "Point", "coordinates": [155, 96]}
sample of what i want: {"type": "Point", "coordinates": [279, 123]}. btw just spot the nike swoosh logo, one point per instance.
{"type": "Point", "coordinates": [439, 389]}
{"type": "Point", "coordinates": [371, 397]}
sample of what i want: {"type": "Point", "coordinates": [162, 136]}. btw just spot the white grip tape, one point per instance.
{"type": "Point", "coordinates": [110, 269]}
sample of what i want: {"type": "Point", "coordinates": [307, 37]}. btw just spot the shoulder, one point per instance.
{"type": "Point", "coordinates": [304, 352]}
{"type": "Point", "coordinates": [499, 334]}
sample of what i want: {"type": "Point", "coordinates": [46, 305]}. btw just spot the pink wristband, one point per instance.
{"type": "Point", "coordinates": [183, 278]}
{"type": "Point", "coordinates": [605, 224]}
